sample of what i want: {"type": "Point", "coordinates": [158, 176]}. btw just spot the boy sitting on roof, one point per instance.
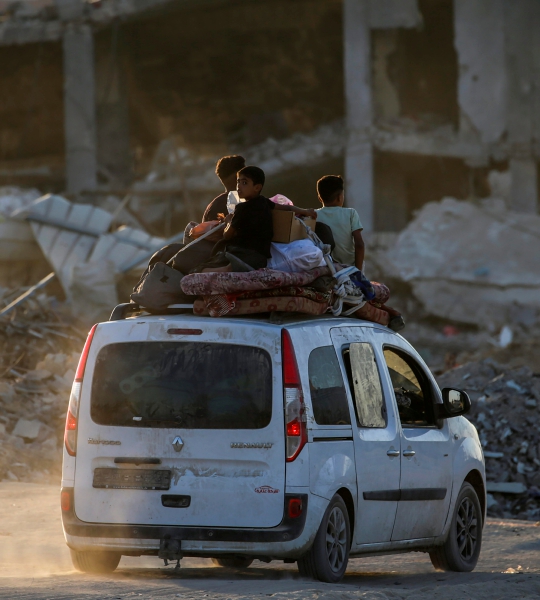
{"type": "Point", "coordinates": [349, 250]}
{"type": "Point", "coordinates": [247, 237]}
{"type": "Point", "coordinates": [344, 222]}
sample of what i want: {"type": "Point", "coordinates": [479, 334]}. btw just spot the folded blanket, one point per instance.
{"type": "Point", "coordinates": [304, 292]}
{"type": "Point", "coordinates": [203, 284]}
{"type": "Point", "coordinates": [218, 307]}
{"type": "Point", "coordinates": [382, 293]}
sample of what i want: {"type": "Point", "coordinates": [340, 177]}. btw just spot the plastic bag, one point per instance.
{"type": "Point", "coordinates": [281, 199]}
{"type": "Point", "coordinates": [295, 257]}
{"type": "Point", "coordinates": [233, 199]}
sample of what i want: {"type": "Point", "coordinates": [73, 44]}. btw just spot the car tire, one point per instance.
{"type": "Point", "coordinates": [461, 549]}
{"type": "Point", "coordinates": [233, 562]}
{"type": "Point", "coordinates": [327, 558]}
{"type": "Point", "coordinates": [95, 562]}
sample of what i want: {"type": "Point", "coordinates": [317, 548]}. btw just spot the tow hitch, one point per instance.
{"type": "Point", "coordinates": [170, 550]}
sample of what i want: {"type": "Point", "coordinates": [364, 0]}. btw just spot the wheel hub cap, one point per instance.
{"type": "Point", "coordinates": [467, 529]}
{"type": "Point", "coordinates": [336, 539]}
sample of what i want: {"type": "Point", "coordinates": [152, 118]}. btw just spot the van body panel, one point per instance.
{"type": "Point", "coordinates": [297, 472]}
{"type": "Point", "coordinates": [332, 466]}
{"type": "Point", "coordinates": [375, 470]}
{"type": "Point", "coordinates": [232, 477]}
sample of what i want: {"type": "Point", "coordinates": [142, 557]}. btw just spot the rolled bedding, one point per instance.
{"type": "Point", "coordinates": [205, 284]}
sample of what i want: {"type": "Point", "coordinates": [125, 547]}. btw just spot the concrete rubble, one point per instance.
{"type": "Point", "coordinates": [474, 263]}
{"type": "Point", "coordinates": [86, 247]}
{"type": "Point", "coordinates": [177, 167]}
{"type": "Point", "coordinates": [13, 198]}
{"type": "Point", "coordinates": [506, 412]}
{"type": "Point", "coordinates": [39, 351]}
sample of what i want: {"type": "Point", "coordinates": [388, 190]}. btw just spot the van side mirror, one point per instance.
{"type": "Point", "coordinates": [455, 403]}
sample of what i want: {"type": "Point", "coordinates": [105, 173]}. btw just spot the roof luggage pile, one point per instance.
{"type": "Point", "coordinates": [287, 285]}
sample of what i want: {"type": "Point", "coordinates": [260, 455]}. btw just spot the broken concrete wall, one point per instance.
{"type": "Point", "coordinates": [31, 113]}
{"type": "Point", "coordinates": [483, 81]}
{"type": "Point", "coordinates": [497, 43]}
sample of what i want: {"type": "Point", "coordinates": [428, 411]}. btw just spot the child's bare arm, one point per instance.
{"type": "Point", "coordinates": [308, 212]}
{"type": "Point", "coordinates": [359, 249]}
{"type": "Point", "coordinates": [230, 232]}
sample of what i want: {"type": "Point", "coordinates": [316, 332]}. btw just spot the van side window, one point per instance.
{"type": "Point", "coordinates": [365, 382]}
{"type": "Point", "coordinates": [328, 397]}
{"type": "Point", "coordinates": [412, 389]}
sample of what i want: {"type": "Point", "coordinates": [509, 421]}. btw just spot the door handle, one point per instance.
{"type": "Point", "coordinates": [392, 453]}
{"type": "Point", "coordinates": [408, 453]}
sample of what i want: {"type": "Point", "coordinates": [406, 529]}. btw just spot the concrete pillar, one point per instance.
{"type": "Point", "coordinates": [79, 108]}
{"type": "Point", "coordinates": [112, 109]}
{"type": "Point", "coordinates": [358, 107]}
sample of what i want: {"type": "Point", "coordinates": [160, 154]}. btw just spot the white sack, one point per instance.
{"type": "Point", "coordinates": [295, 257]}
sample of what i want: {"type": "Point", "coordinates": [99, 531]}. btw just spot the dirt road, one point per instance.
{"type": "Point", "coordinates": [35, 564]}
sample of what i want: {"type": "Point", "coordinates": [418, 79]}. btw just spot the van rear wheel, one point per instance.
{"type": "Point", "coordinates": [95, 562]}
{"type": "Point", "coordinates": [461, 549]}
{"type": "Point", "coordinates": [328, 557]}
{"type": "Point", "coordinates": [234, 562]}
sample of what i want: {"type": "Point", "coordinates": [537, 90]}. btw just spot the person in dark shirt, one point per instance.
{"type": "Point", "coordinates": [249, 231]}
{"type": "Point", "coordinates": [226, 169]}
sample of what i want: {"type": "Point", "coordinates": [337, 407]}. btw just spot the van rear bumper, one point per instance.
{"type": "Point", "coordinates": [289, 528]}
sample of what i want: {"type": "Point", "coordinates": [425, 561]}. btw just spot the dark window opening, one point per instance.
{"type": "Point", "coordinates": [412, 389]}
{"type": "Point", "coordinates": [328, 397]}
{"type": "Point", "coordinates": [189, 385]}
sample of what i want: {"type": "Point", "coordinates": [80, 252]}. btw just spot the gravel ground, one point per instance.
{"type": "Point", "coordinates": [35, 564]}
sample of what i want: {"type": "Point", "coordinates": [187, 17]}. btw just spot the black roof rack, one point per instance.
{"type": "Point", "coordinates": [130, 309]}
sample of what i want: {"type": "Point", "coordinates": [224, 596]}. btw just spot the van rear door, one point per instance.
{"type": "Point", "coordinates": [182, 426]}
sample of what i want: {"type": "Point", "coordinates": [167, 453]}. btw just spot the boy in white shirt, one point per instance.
{"type": "Point", "coordinates": [344, 222]}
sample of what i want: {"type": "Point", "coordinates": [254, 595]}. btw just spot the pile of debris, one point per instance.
{"type": "Point", "coordinates": [13, 198]}
{"type": "Point", "coordinates": [473, 263]}
{"type": "Point", "coordinates": [39, 353]}
{"type": "Point", "coordinates": [506, 412]}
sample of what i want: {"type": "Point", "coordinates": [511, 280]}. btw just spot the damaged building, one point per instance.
{"type": "Point", "coordinates": [413, 100]}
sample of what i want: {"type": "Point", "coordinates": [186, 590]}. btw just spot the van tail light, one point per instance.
{"type": "Point", "coordinates": [70, 435]}
{"type": "Point", "coordinates": [295, 415]}
{"type": "Point", "coordinates": [65, 500]}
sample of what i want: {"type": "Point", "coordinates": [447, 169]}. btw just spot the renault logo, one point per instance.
{"type": "Point", "coordinates": [177, 443]}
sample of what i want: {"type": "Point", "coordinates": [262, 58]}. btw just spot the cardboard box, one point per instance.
{"type": "Point", "coordinates": [287, 228]}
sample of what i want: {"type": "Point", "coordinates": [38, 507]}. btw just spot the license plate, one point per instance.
{"type": "Point", "coordinates": [132, 479]}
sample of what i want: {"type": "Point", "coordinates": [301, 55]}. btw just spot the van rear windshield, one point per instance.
{"type": "Point", "coordinates": [188, 385]}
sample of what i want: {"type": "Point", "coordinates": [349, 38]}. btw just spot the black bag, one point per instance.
{"type": "Point", "coordinates": [159, 285]}
{"type": "Point", "coordinates": [324, 233]}
{"type": "Point", "coordinates": [159, 288]}
{"type": "Point", "coordinates": [164, 255]}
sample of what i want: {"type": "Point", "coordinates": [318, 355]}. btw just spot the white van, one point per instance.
{"type": "Point", "coordinates": [307, 439]}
